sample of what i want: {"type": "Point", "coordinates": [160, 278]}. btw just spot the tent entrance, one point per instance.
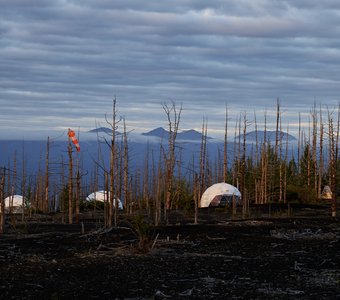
{"type": "Point", "coordinates": [223, 200]}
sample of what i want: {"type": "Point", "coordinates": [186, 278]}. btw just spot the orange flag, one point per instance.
{"type": "Point", "coordinates": [72, 136]}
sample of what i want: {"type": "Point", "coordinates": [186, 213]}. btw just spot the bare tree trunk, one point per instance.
{"type": "Point", "coordinates": [264, 165]}
{"type": "Point", "coordinates": [337, 137]}
{"type": "Point", "coordinates": [256, 142]}
{"type": "Point", "coordinates": [225, 156]}
{"type": "Point", "coordinates": [2, 202]}
{"type": "Point", "coordinates": [173, 116]}
{"type": "Point", "coordinates": [9, 186]}
{"type": "Point", "coordinates": [78, 194]}
{"type": "Point", "coordinates": [336, 158]}
{"type": "Point", "coordinates": [23, 182]}
{"type": "Point", "coordinates": [245, 201]}
{"type": "Point", "coordinates": [332, 163]}
{"type": "Point", "coordinates": [308, 164]}
{"type": "Point", "coordinates": [209, 172]}
{"type": "Point", "coordinates": [160, 183]}
{"type": "Point", "coordinates": [14, 184]}
{"type": "Point", "coordinates": [119, 172]}
{"type": "Point", "coordinates": [314, 142]}
{"type": "Point", "coordinates": [299, 144]}
{"type": "Point", "coordinates": [202, 178]}
{"type": "Point", "coordinates": [96, 185]}
{"type": "Point", "coordinates": [277, 127]}
{"type": "Point", "coordinates": [179, 179]}
{"type": "Point", "coordinates": [45, 206]}
{"type": "Point", "coordinates": [196, 197]}
{"type": "Point", "coordinates": [280, 164]}
{"type": "Point", "coordinates": [207, 168]}
{"type": "Point", "coordinates": [137, 188]}
{"type": "Point", "coordinates": [106, 200]}
{"type": "Point", "coordinates": [285, 169]}
{"type": "Point", "coordinates": [320, 173]}
{"type": "Point", "coordinates": [70, 185]}
{"type": "Point", "coordinates": [256, 175]}
{"type": "Point", "coordinates": [239, 154]}
{"type": "Point", "coordinates": [112, 191]}
{"type": "Point", "coordinates": [113, 201]}
{"type": "Point", "coordinates": [126, 171]}
{"type": "Point", "coordinates": [154, 185]}
{"type": "Point", "coordinates": [146, 192]}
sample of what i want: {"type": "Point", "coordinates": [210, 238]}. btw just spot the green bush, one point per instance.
{"type": "Point", "coordinates": [301, 194]}
{"type": "Point", "coordinates": [144, 231]}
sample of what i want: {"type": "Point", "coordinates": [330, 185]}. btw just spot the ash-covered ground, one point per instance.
{"type": "Point", "coordinates": [295, 257]}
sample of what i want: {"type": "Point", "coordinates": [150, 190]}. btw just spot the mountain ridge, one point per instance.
{"type": "Point", "coordinates": [190, 134]}
{"type": "Point", "coordinates": [270, 136]}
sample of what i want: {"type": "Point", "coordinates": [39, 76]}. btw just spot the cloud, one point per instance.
{"type": "Point", "coordinates": [62, 62]}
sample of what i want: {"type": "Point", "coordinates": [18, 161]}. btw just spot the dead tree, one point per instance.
{"type": "Point", "coordinates": [245, 206]}
{"type": "Point", "coordinates": [256, 141]}
{"type": "Point", "coordinates": [45, 205]}
{"type": "Point", "coordinates": [265, 163]}
{"type": "Point", "coordinates": [285, 170]}
{"type": "Point", "coordinates": [113, 201]}
{"type": "Point", "coordinates": [9, 186]}
{"type": "Point", "coordinates": [106, 199]}
{"type": "Point", "coordinates": [196, 196]}
{"type": "Point", "coordinates": [299, 145]}
{"type": "Point", "coordinates": [146, 192]}
{"type": "Point", "coordinates": [23, 182]}
{"type": "Point", "coordinates": [178, 191]}
{"type": "Point", "coordinates": [277, 133]}
{"type": "Point", "coordinates": [203, 158]}
{"type": "Point", "coordinates": [336, 158]}
{"type": "Point", "coordinates": [337, 138]}
{"type": "Point", "coordinates": [14, 184]}
{"type": "Point", "coordinates": [39, 190]}
{"type": "Point", "coordinates": [314, 143]}
{"type": "Point", "coordinates": [320, 170]}
{"type": "Point", "coordinates": [70, 183]}
{"type": "Point", "coordinates": [235, 158]}
{"type": "Point", "coordinates": [158, 180]}
{"type": "Point", "coordinates": [332, 162]}
{"type": "Point", "coordinates": [78, 195]}
{"type": "Point", "coordinates": [72, 139]}
{"type": "Point", "coordinates": [239, 154]}
{"type": "Point", "coordinates": [63, 184]}
{"type": "Point", "coordinates": [126, 170]}
{"type": "Point", "coordinates": [256, 177]}
{"type": "Point", "coordinates": [2, 202]}
{"type": "Point", "coordinates": [281, 176]}
{"type": "Point", "coordinates": [225, 155]}
{"type": "Point", "coordinates": [308, 158]}
{"type": "Point", "coordinates": [153, 185]}
{"type": "Point", "coordinates": [173, 116]}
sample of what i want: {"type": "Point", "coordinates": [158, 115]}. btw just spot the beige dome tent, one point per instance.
{"type": "Point", "coordinates": [220, 194]}
{"type": "Point", "coordinates": [101, 196]}
{"type": "Point", "coordinates": [14, 203]}
{"type": "Point", "coordinates": [326, 193]}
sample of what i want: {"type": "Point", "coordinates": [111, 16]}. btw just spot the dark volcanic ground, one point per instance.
{"type": "Point", "coordinates": [284, 258]}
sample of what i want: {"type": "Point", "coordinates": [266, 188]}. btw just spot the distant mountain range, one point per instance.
{"type": "Point", "coordinates": [270, 136]}
{"type": "Point", "coordinates": [188, 135]}
{"type": "Point", "coordinates": [103, 130]}
{"type": "Point", "coordinates": [194, 136]}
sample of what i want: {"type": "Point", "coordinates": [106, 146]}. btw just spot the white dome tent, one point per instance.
{"type": "Point", "coordinates": [220, 194]}
{"type": "Point", "coordinates": [14, 203]}
{"type": "Point", "coordinates": [101, 196]}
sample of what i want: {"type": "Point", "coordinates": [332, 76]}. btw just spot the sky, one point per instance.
{"type": "Point", "coordinates": [63, 61]}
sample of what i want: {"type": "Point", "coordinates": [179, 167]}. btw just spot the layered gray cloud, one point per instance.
{"type": "Point", "coordinates": [62, 61]}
